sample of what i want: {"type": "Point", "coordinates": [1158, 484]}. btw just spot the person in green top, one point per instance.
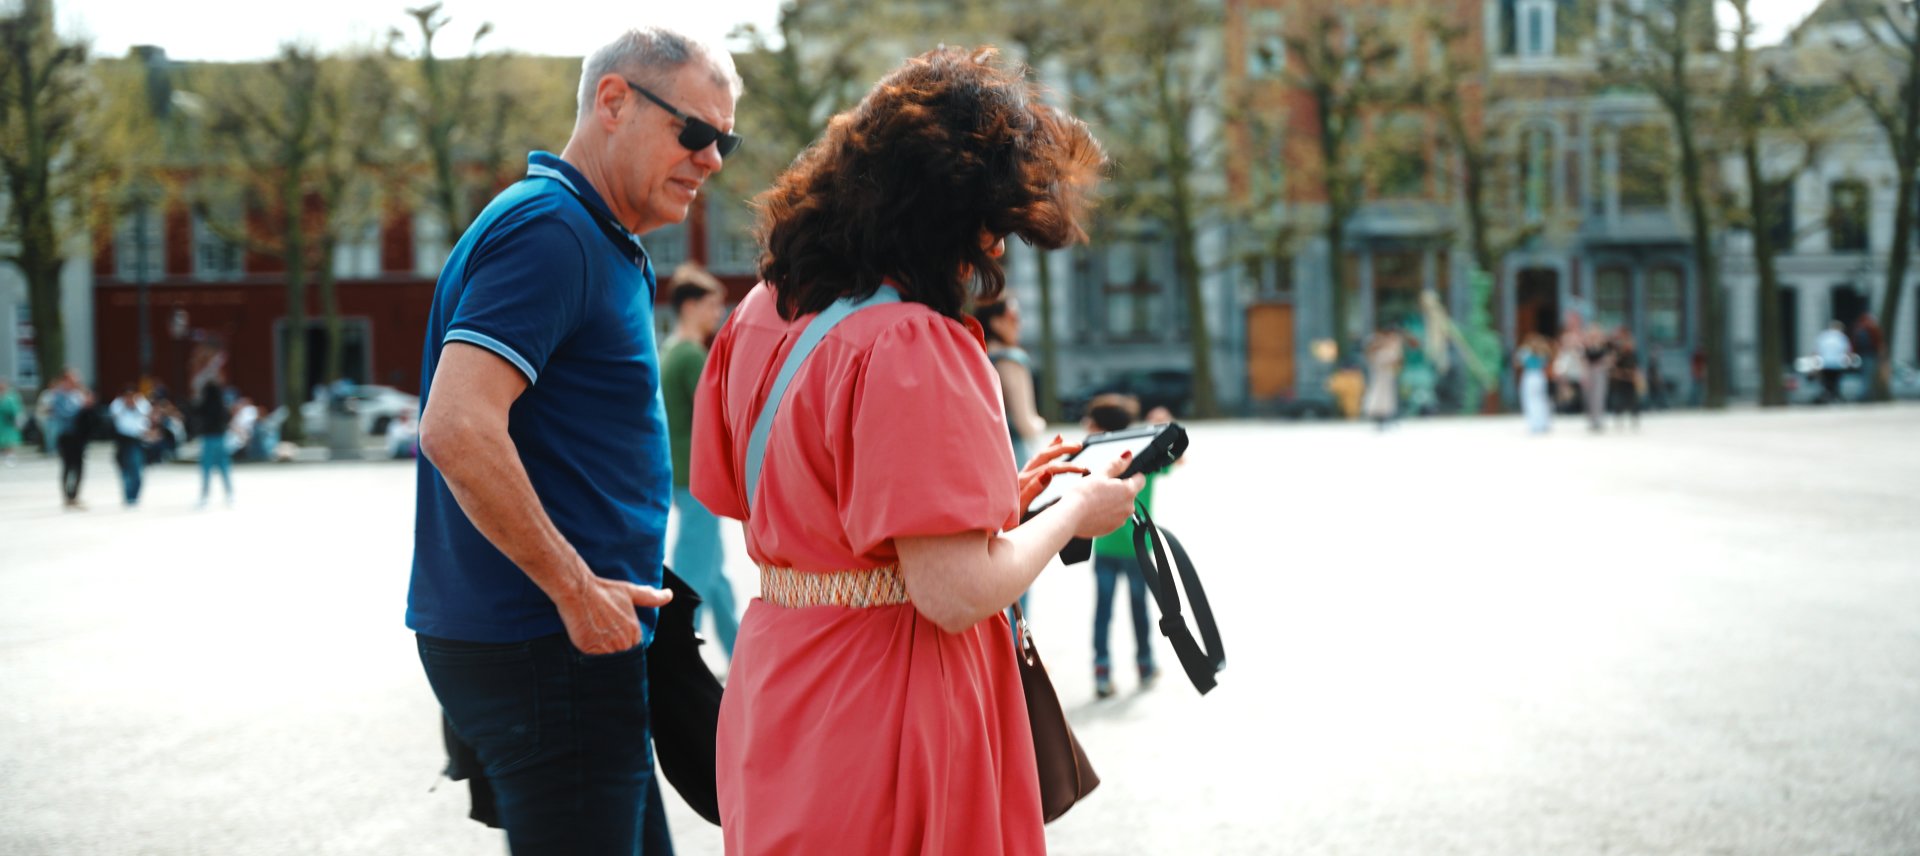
{"type": "Point", "coordinates": [10, 410]}
{"type": "Point", "coordinates": [699, 302]}
{"type": "Point", "coordinates": [1113, 558]}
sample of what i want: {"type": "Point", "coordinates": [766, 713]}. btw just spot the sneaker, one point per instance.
{"type": "Point", "coordinates": [1148, 675]}
{"type": "Point", "coordinates": [1102, 684]}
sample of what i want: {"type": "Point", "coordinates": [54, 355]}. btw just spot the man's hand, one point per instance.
{"type": "Point", "coordinates": [599, 614]}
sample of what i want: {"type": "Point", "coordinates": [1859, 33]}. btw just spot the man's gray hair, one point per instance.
{"type": "Point", "coordinates": [650, 56]}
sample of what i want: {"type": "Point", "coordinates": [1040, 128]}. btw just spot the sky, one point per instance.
{"type": "Point", "coordinates": [235, 30]}
{"type": "Point", "coordinates": [231, 30]}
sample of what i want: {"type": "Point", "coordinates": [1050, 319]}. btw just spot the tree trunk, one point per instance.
{"type": "Point", "coordinates": [294, 378]}
{"type": "Point", "coordinates": [1335, 228]}
{"type": "Point", "coordinates": [40, 263]}
{"type": "Point", "coordinates": [1906, 151]}
{"type": "Point", "coordinates": [1759, 200]}
{"type": "Point", "coordinates": [1049, 391]}
{"type": "Point", "coordinates": [1712, 328]}
{"type": "Point", "coordinates": [1185, 254]}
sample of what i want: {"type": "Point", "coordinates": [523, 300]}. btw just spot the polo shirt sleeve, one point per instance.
{"type": "Point", "coordinates": [525, 293]}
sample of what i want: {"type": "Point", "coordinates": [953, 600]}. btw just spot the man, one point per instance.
{"type": "Point", "coordinates": [132, 423]}
{"type": "Point", "coordinates": [699, 302]}
{"type": "Point", "coordinates": [545, 478]}
{"type": "Point", "coordinates": [1835, 352]}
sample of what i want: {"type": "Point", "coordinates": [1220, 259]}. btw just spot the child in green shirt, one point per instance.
{"type": "Point", "coordinates": [1113, 558]}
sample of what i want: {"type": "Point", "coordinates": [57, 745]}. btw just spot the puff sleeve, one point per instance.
{"type": "Point", "coordinates": [925, 450]}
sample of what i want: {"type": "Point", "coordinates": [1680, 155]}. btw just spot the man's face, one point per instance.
{"type": "Point", "coordinates": [661, 176]}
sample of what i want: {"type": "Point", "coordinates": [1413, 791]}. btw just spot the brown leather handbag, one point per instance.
{"type": "Point", "coordinates": [1066, 776]}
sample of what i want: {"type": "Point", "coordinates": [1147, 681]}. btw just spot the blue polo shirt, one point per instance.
{"type": "Point", "coordinates": [549, 281]}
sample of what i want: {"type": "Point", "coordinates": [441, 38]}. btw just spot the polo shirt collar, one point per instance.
{"type": "Point", "coordinates": [548, 165]}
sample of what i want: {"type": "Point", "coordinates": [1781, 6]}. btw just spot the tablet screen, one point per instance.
{"type": "Point", "coordinates": [1096, 454]}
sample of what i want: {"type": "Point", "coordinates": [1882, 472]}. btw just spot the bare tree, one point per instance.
{"type": "Point", "coordinates": [1340, 56]}
{"type": "Point", "coordinates": [1675, 33]}
{"type": "Point", "coordinates": [43, 101]}
{"type": "Point", "coordinates": [448, 114]}
{"type": "Point", "coordinates": [1755, 106]}
{"type": "Point", "coordinates": [1894, 30]}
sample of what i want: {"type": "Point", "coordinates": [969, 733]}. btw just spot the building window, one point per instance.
{"type": "Point", "coordinates": [666, 248]}
{"type": "Point", "coordinates": [1643, 167]}
{"type": "Point", "coordinates": [1780, 216]}
{"type": "Point", "coordinates": [731, 248]}
{"type": "Point", "coordinates": [1403, 173]}
{"type": "Point", "coordinates": [1847, 216]}
{"type": "Point", "coordinates": [1612, 299]}
{"type": "Point", "coordinates": [356, 254]}
{"type": "Point", "coordinates": [1536, 172]}
{"type": "Point", "coordinates": [1266, 44]}
{"type": "Point", "coordinates": [429, 242]}
{"type": "Point", "coordinates": [139, 246]}
{"type": "Point", "coordinates": [1132, 290]}
{"type": "Point", "coordinates": [1666, 306]}
{"type": "Point", "coordinates": [214, 257]}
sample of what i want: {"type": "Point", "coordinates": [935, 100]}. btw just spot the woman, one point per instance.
{"type": "Point", "coordinates": [1531, 359]}
{"type": "Point", "coordinates": [1624, 381]}
{"type": "Point", "coordinates": [874, 703]}
{"type": "Point", "coordinates": [1385, 350]}
{"type": "Point", "coordinates": [1001, 320]}
{"type": "Point", "coordinates": [215, 417]}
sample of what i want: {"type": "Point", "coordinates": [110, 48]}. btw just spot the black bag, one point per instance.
{"type": "Point", "coordinates": [683, 700]}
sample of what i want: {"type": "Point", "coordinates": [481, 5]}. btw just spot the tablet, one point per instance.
{"type": "Point", "coordinates": [1097, 452]}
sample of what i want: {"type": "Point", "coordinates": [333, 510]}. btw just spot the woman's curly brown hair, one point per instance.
{"type": "Point", "coordinates": [948, 146]}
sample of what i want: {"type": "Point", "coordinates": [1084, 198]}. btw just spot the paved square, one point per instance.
{"type": "Point", "coordinates": [1448, 638]}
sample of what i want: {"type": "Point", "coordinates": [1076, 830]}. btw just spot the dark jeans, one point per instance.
{"type": "Point", "coordinates": [563, 737]}
{"type": "Point", "coordinates": [73, 464]}
{"type": "Point", "coordinates": [132, 459]}
{"type": "Point", "coordinates": [1107, 571]}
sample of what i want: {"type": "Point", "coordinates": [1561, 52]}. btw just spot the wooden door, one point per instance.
{"type": "Point", "coordinates": [1270, 369]}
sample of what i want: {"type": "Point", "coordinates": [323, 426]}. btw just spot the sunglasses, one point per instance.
{"type": "Point", "coordinates": [697, 134]}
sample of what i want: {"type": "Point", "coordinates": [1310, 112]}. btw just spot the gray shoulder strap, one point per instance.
{"type": "Point", "coordinates": [809, 339]}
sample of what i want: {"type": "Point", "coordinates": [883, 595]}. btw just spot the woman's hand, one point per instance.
{"type": "Point", "coordinates": [1102, 504]}
{"type": "Point", "coordinates": [1035, 476]}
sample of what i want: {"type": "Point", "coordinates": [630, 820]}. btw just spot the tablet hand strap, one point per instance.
{"type": "Point", "coordinates": [1150, 545]}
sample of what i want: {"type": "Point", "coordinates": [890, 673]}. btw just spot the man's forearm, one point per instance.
{"type": "Point", "coordinates": [483, 470]}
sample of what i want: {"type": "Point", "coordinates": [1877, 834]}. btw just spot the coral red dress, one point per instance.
{"type": "Point", "coordinates": [865, 730]}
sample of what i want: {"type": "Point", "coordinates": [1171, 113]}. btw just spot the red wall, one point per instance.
{"type": "Point", "coordinates": [243, 317]}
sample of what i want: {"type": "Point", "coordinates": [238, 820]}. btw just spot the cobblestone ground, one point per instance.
{"type": "Point", "coordinates": [1700, 638]}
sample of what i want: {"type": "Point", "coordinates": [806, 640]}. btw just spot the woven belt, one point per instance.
{"type": "Point", "coordinates": [858, 589]}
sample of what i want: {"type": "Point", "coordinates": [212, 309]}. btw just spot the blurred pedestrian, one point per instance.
{"type": "Point", "coordinates": [1347, 384]}
{"type": "Point", "coordinates": [1001, 321]}
{"type": "Point", "coordinates": [1836, 354]}
{"type": "Point", "coordinates": [1598, 354]}
{"type": "Point", "coordinates": [215, 417]}
{"type": "Point", "coordinates": [132, 429]}
{"type": "Point", "coordinates": [11, 412]}
{"type": "Point", "coordinates": [1869, 342]}
{"type": "Point", "coordinates": [78, 420]}
{"type": "Point", "coordinates": [1569, 367]}
{"type": "Point", "coordinates": [1114, 559]}
{"type": "Point", "coordinates": [1385, 352]}
{"type": "Point", "coordinates": [1625, 383]}
{"type": "Point", "coordinates": [242, 439]}
{"type": "Point", "coordinates": [699, 302]}
{"type": "Point", "coordinates": [875, 703]}
{"type": "Point", "coordinates": [545, 475]}
{"type": "Point", "coordinates": [1535, 402]}
{"type": "Point", "coordinates": [61, 403]}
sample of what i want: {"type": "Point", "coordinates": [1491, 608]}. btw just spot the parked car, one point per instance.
{"type": "Point", "coordinates": [1168, 388]}
{"type": "Point", "coordinates": [374, 406]}
{"type": "Point", "coordinates": [1802, 382]}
